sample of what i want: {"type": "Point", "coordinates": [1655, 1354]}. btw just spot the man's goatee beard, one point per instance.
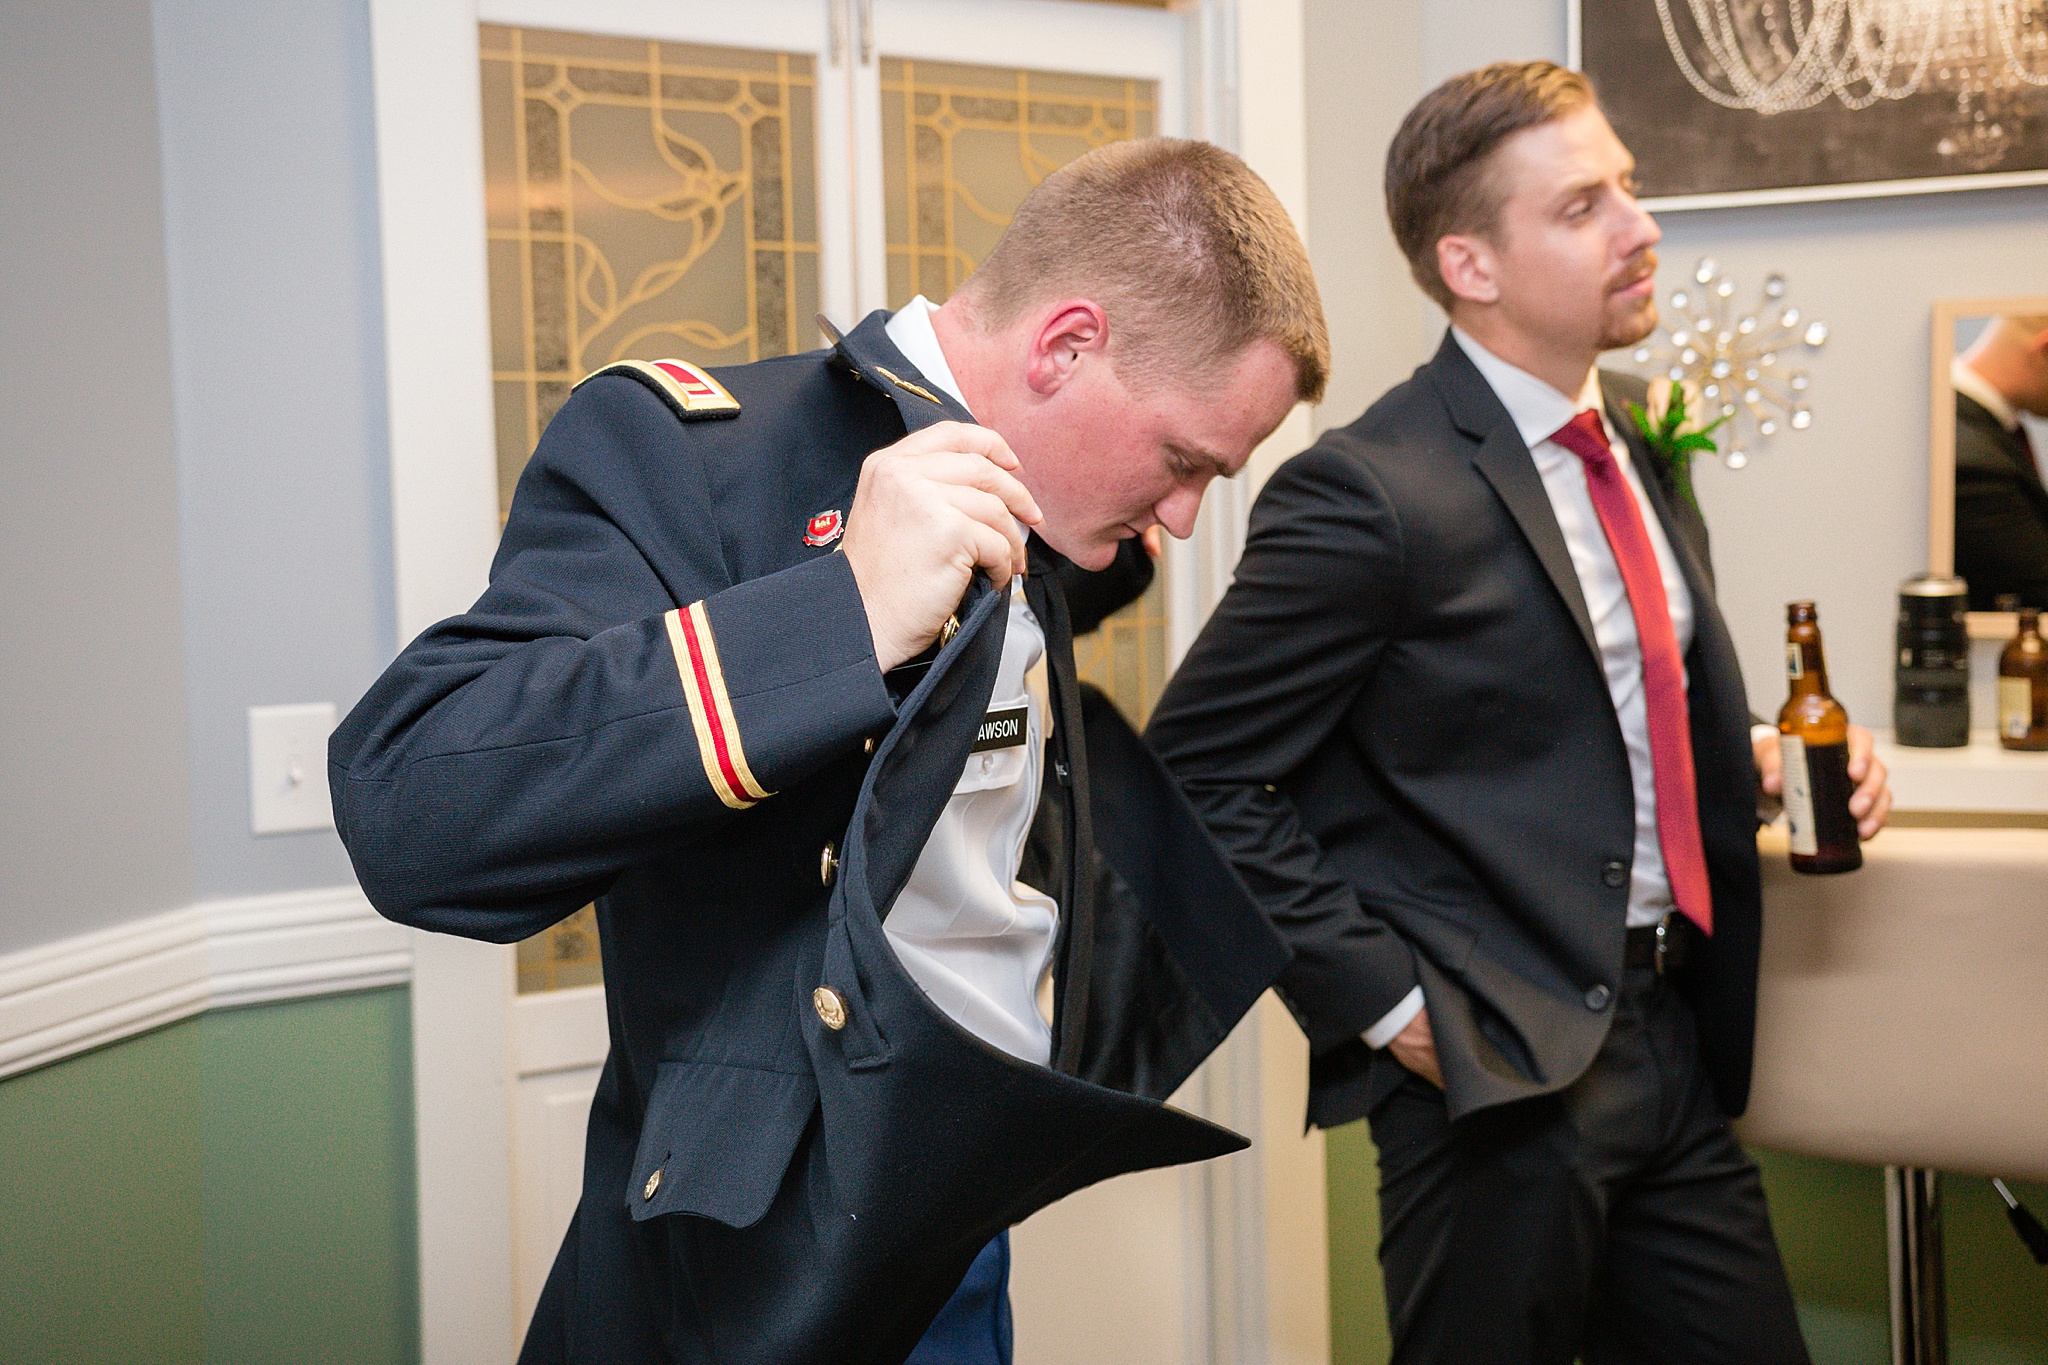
{"type": "Point", "coordinates": [1628, 331]}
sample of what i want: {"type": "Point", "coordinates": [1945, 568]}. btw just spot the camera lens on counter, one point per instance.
{"type": "Point", "coordinates": [1931, 701]}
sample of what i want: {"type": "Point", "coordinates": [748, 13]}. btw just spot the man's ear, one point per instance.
{"type": "Point", "coordinates": [1469, 267]}
{"type": "Point", "coordinates": [1070, 331]}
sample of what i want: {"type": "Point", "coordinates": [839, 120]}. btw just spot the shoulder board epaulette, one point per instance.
{"type": "Point", "coordinates": [691, 394]}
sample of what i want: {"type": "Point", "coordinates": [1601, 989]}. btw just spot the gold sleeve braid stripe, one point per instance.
{"type": "Point", "coordinates": [718, 734]}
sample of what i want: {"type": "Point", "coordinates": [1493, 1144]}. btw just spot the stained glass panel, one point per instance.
{"type": "Point", "coordinates": [963, 145]}
{"type": "Point", "coordinates": [643, 200]}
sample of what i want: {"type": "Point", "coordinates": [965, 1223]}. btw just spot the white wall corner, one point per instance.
{"type": "Point", "coordinates": [444, 482]}
{"type": "Point", "coordinates": [1277, 1231]}
{"type": "Point", "coordinates": [1272, 137]}
{"type": "Point", "coordinates": [1272, 107]}
{"type": "Point", "coordinates": [1297, 1207]}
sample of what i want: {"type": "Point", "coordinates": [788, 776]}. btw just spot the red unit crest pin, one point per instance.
{"type": "Point", "coordinates": [824, 528]}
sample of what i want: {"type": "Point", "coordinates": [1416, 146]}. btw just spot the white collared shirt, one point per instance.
{"type": "Point", "coordinates": [972, 936]}
{"type": "Point", "coordinates": [1970, 384]}
{"type": "Point", "coordinates": [1538, 410]}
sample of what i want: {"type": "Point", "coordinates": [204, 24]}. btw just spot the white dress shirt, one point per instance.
{"type": "Point", "coordinates": [972, 936]}
{"type": "Point", "coordinates": [1970, 384]}
{"type": "Point", "coordinates": [1538, 410]}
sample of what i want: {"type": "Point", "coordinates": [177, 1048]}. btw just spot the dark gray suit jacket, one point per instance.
{"type": "Point", "coordinates": [1398, 723]}
{"type": "Point", "coordinates": [2001, 512]}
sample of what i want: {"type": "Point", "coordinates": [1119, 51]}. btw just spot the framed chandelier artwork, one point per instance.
{"type": "Point", "coordinates": [1763, 101]}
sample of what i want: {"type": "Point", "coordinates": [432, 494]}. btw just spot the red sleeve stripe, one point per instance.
{"type": "Point", "coordinates": [718, 734]}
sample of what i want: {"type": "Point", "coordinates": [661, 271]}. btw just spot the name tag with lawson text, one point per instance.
{"type": "Point", "coordinates": [1003, 729]}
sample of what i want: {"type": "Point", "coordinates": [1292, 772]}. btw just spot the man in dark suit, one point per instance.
{"type": "Point", "coordinates": [2001, 505]}
{"type": "Point", "coordinates": [1475, 734]}
{"type": "Point", "coordinates": [770, 670]}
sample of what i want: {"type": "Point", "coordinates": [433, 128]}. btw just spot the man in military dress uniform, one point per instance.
{"type": "Point", "coordinates": [756, 674]}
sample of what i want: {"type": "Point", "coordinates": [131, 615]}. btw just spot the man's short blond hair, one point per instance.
{"type": "Point", "coordinates": [1186, 249]}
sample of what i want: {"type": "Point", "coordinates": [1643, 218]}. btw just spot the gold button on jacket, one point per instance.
{"type": "Point", "coordinates": [831, 1009]}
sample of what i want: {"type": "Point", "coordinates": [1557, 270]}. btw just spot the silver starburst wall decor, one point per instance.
{"type": "Point", "coordinates": [1740, 365]}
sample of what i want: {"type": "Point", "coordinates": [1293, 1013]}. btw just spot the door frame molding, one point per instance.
{"type": "Point", "coordinates": [1243, 92]}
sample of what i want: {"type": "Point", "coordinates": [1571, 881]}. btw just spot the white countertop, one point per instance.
{"type": "Point", "coordinates": [1981, 777]}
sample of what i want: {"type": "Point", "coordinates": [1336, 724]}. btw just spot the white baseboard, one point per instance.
{"type": "Point", "coordinates": [60, 999]}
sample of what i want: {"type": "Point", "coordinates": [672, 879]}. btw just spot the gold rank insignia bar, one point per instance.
{"type": "Point", "coordinates": [692, 394]}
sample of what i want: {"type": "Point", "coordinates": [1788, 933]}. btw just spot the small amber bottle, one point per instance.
{"type": "Point", "coordinates": [1813, 742]}
{"type": "Point", "coordinates": [2023, 687]}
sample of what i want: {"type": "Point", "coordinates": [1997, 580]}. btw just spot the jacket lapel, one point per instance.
{"type": "Point", "coordinates": [1504, 461]}
{"type": "Point", "coordinates": [869, 353]}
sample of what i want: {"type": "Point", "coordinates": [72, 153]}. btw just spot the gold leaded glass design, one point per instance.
{"type": "Point", "coordinates": [961, 147]}
{"type": "Point", "coordinates": [1126, 655]}
{"type": "Point", "coordinates": [562, 956]}
{"type": "Point", "coordinates": [644, 200]}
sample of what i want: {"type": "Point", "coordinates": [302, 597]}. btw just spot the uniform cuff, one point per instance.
{"type": "Point", "coordinates": [779, 672]}
{"type": "Point", "coordinates": [1394, 1020]}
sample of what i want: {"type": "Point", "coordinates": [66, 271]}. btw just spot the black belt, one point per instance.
{"type": "Point", "coordinates": [1664, 946]}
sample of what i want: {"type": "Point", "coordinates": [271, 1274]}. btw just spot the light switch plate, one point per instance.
{"type": "Point", "coordinates": [288, 768]}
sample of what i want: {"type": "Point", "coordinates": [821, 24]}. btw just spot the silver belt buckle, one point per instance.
{"type": "Point", "coordinates": [1663, 942]}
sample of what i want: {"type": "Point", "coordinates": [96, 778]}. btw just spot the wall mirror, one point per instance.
{"type": "Point", "coordinates": [1987, 482]}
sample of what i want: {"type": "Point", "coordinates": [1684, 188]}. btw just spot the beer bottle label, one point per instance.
{"type": "Point", "coordinates": [2015, 707]}
{"type": "Point", "coordinates": [1795, 661]}
{"type": "Point", "coordinates": [1798, 793]}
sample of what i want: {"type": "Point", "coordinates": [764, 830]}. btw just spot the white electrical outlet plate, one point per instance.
{"type": "Point", "coordinates": [288, 768]}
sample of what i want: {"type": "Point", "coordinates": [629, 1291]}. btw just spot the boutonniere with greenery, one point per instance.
{"type": "Point", "coordinates": [1673, 434]}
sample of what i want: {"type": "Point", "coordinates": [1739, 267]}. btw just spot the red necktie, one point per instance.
{"type": "Point", "coordinates": [1678, 812]}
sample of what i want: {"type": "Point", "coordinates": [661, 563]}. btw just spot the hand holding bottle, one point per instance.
{"type": "Point", "coordinates": [1871, 803]}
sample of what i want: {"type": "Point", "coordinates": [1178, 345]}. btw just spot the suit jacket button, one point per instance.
{"type": "Point", "coordinates": [831, 1009]}
{"type": "Point", "coordinates": [867, 746]}
{"type": "Point", "coordinates": [653, 1184]}
{"type": "Point", "coordinates": [948, 631]}
{"type": "Point", "coordinates": [1597, 998]}
{"type": "Point", "coordinates": [1615, 873]}
{"type": "Point", "coordinates": [828, 864]}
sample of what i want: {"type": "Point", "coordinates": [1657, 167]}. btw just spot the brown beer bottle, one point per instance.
{"type": "Point", "coordinates": [2023, 687]}
{"type": "Point", "coordinates": [1813, 742]}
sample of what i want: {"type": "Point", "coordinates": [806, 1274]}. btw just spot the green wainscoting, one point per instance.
{"type": "Point", "coordinates": [236, 1189]}
{"type": "Point", "coordinates": [1358, 1302]}
{"type": "Point", "coordinates": [100, 1206]}
{"type": "Point", "coordinates": [1830, 1222]}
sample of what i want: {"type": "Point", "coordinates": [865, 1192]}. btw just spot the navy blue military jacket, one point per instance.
{"type": "Point", "coordinates": [667, 702]}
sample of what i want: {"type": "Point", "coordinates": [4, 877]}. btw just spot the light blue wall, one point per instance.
{"type": "Point", "coordinates": [196, 517]}
{"type": "Point", "coordinates": [271, 232]}
{"type": "Point", "coordinates": [94, 812]}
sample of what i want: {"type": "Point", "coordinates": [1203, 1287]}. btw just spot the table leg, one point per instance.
{"type": "Point", "coordinates": [1919, 1297]}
